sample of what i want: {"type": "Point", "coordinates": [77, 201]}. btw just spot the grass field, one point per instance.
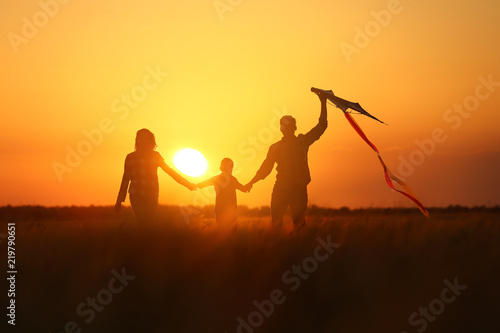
{"type": "Point", "coordinates": [83, 269]}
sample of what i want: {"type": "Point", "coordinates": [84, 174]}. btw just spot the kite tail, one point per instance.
{"type": "Point", "coordinates": [389, 176]}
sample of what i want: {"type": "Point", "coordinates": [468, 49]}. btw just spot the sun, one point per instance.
{"type": "Point", "coordinates": [190, 162]}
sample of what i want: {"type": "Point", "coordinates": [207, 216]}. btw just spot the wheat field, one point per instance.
{"type": "Point", "coordinates": [84, 269]}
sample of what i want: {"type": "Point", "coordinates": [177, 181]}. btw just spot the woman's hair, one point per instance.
{"type": "Point", "coordinates": [145, 140]}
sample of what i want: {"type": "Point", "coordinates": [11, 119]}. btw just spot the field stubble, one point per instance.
{"type": "Point", "coordinates": [195, 277]}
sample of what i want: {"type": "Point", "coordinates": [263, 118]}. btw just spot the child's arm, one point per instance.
{"type": "Point", "coordinates": [206, 183]}
{"type": "Point", "coordinates": [241, 187]}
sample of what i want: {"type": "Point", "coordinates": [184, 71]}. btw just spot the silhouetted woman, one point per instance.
{"type": "Point", "coordinates": [141, 172]}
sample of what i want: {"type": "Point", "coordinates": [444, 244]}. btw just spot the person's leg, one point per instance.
{"type": "Point", "coordinates": [298, 207]}
{"type": "Point", "coordinates": [279, 203]}
{"type": "Point", "coordinates": [227, 219]}
{"type": "Point", "coordinates": [151, 205]}
{"type": "Point", "coordinates": [137, 207]}
{"type": "Point", "coordinates": [144, 208]}
{"type": "Point", "coordinates": [233, 218]}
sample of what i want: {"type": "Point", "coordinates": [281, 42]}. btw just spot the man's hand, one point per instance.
{"type": "Point", "coordinates": [322, 98]}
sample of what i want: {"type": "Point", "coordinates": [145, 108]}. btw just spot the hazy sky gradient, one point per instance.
{"type": "Point", "coordinates": [228, 82]}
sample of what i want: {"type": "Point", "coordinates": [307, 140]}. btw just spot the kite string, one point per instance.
{"type": "Point", "coordinates": [389, 176]}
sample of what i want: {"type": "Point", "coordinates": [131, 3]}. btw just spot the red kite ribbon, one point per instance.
{"type": "Point", "coordinates": [389, 176]}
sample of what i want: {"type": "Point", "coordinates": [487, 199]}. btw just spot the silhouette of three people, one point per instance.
{"type": "Point", "coordinates": [290, 188]}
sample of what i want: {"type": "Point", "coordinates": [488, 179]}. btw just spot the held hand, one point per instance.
{"type": "Point", "coordinates": [192, 187]}
{"type": "Point", "coordinates": [118, 207]}
{"type": "Point", "coordinates": [247, 188]}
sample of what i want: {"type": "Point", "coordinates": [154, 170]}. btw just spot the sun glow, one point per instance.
{"type": "Point", "coordinates": [190, 162]}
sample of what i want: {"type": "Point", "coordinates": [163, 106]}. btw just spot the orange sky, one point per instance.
{"type": "Point", "coordinates": [226, 70]}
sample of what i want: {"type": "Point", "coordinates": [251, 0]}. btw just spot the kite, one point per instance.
{"type": "Point", "coordinates": [389, 176]}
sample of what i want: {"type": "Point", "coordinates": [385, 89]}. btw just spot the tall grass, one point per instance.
{"type": "Point", "coordinates": [192, 276]}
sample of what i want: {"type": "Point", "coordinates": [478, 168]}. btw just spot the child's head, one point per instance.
{"type": "Point", "coordinates": [227, 165]}
{"type": "Point", "coordinates": [145, 140]}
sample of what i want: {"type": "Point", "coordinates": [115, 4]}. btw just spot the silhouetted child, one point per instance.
{"type": "Point", "coordinates": [225, 184]}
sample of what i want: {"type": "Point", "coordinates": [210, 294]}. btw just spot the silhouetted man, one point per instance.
{"type": "Point", "coordinates": [290, 155]}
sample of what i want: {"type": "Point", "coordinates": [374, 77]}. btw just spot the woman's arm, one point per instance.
{"type": "Point", "coordinates": [178, 178]}
{"type": "Point", "coordinates": [122, 194]}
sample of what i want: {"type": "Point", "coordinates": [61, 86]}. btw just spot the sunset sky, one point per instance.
{"type": "Point", "coordinates": [217, 75]}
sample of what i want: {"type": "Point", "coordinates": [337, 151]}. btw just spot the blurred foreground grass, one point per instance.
{"type": "Point", "coordinates": [190, 276]}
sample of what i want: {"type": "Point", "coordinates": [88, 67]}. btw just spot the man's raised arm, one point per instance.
{"type": "Point", "coordinates": [316, 132]}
